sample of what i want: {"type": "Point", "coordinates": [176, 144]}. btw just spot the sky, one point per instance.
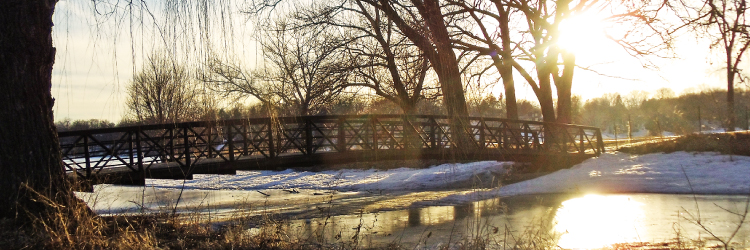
{"type": "Point", "coordinates": [96, 57]}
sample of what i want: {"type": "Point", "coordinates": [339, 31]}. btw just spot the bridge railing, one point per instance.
{"type": "Point", "coordinates": [139, 148]}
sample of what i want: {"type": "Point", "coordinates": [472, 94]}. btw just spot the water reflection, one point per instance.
{"type": "Point", "coordinates": [596, 221]}
{"type": "Point", "coordinates": [570, 221]}
{"type": "Point", "coordinates": [567, 221]}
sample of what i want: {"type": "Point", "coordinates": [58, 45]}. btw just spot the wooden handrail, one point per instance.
{"type": "Point", "coordinates": [140, 147]}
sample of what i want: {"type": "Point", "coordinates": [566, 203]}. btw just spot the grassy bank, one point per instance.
{"type": "Point", "coordinates": [737, 143]}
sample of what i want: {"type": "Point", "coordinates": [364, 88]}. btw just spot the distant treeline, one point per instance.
{"type": "Point", "coordinates": [689, 112]}
{"type": "Point", "coordinates": [656, 113]}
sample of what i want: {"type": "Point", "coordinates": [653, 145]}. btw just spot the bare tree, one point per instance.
{"type": "Point", "coordinates": [302, 66]}
{"type": "Point", "coordinates": [163, 92]}
{"type": "Point", "coordinates": [379, 56]}
{"type": "Point", "coordinates": [233, 81]}
{"type": "Point", "coordinates": [489, 35]}
{"type": "Point", "coordinates": [726, 23]}
{"type": "Point", "coordinates": [635, 98]}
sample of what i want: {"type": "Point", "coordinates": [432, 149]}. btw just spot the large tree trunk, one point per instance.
{"type": "Point", "coordinates": [449, 75]}
{"type": "Point", "coordinates": [545, 91]}
{"type": "Point", "coordinates": [731, 118]}
{"type": "Point", "coordinates": [564, 85]}
{"type": "Point", "coordinates": [29, 148]}
{"type": "Point", "coordinates": [435, 42]}
{"type": "Point", "coordinates": [506, 66]}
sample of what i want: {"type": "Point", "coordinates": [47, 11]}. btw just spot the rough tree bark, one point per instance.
{"type": "Point", "coordinates": [564, 85]}
{"type": "Point", "coordinates": [506, 70]}
{"type": "Point", "coordinates": [435, 41]}
{"type": "Point", "coordinates": [29, 148]}
{"type": "Point", "coordinates": [544, 92]}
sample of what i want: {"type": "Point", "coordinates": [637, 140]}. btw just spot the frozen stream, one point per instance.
{"type": "Point", "coordinates": [613, 198]}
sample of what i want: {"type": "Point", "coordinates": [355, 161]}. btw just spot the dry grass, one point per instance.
{"type": "Point", "coordinates": [737, 143]}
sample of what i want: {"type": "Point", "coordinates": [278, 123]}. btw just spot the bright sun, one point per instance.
{"type": "Point", "coordinates": [583, 34]}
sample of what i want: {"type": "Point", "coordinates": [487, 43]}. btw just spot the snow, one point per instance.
{"type": "Point", "coordinates": [679, 172]}
{"type": "Point", "coordinates": [400, 179]}
{"type": "Point", "coordinates": [283, 190]}
{"type": "Point", "coordinates": [674, 173]}
{"type": "Point", "coordinates": [624, 134]}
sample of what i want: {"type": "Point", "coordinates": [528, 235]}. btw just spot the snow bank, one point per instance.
{"type": "Point", "coordinates": [678, 173]}
{"type": "Point", "coordinates": [440, 176]}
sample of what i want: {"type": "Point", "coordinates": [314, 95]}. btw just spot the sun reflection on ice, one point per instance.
{"type": "Point", "coordinates": [596, 221]}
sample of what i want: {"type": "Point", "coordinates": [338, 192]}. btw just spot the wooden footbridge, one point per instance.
{"type": "Point", "coordinates": [128, 155]}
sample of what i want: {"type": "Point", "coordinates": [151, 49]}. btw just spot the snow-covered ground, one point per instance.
{"type": "Point", "coordinates": [401, 179]}
{"type": "Point", "coordinates": [676, 173]}
{"type": "Point", "coordinates": [679, 172]}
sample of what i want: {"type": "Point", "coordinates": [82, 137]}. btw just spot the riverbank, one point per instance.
{"type": "Point", "coordinates": [189, 215]}
{"type": "Point", "coordinates": [733, 143]}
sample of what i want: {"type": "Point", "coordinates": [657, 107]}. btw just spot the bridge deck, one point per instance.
{"type": "Point", "coordinates": [130, 154]}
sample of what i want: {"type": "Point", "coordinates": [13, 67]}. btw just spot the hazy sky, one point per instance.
{"type": "Point", "coordinates": [95, 60]}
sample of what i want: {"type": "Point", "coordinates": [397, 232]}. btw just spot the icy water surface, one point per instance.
{"type": "Point", "coordinates": [574, 221]}
{"type": "Point", "coordinates": [420, 219]}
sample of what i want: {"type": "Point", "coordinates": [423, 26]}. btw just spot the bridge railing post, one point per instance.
{"type": "Point", "coordinates": [433, 133]}
{"type": "Point", "coordinates": [209, 141]}
{"type": "Point", "coordinates": [341, 138]}
{"type": "Point", "coordinates": [582, 150]}
{"type": "Point", "coordinates": [374, 134]}
{"type": "Point", "coordinates": [87, 154]}
{"type": "Point", "coordinates": [599, 141]}
{"type": "Point", "coordinates": [139, 149]}
{"type": "Point", "coordinates": [482, 140]}
{"type": "Point", "coordinates": [308, 136]}
{"type": "Point", "coordinates": [271, 148]}
{"type": "Point", "coordinates": [186, 141]}
{"type": "Point", "coordinates": [230, 142]}
{"type": "Point", "coordinates": [245, 135]}
{"type": "Point", "coordinates": [172, 141]}
{"type": "Point", "coordinates": [130, 148]}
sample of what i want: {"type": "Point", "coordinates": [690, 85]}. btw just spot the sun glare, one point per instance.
{"type": "Point", "coordinates": [596, 221]}
{"type": "Point", "coordinates": [583, 34]}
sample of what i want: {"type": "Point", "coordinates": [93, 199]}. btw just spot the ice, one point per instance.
{"type": "Point", "coordinates": [679, 172]}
